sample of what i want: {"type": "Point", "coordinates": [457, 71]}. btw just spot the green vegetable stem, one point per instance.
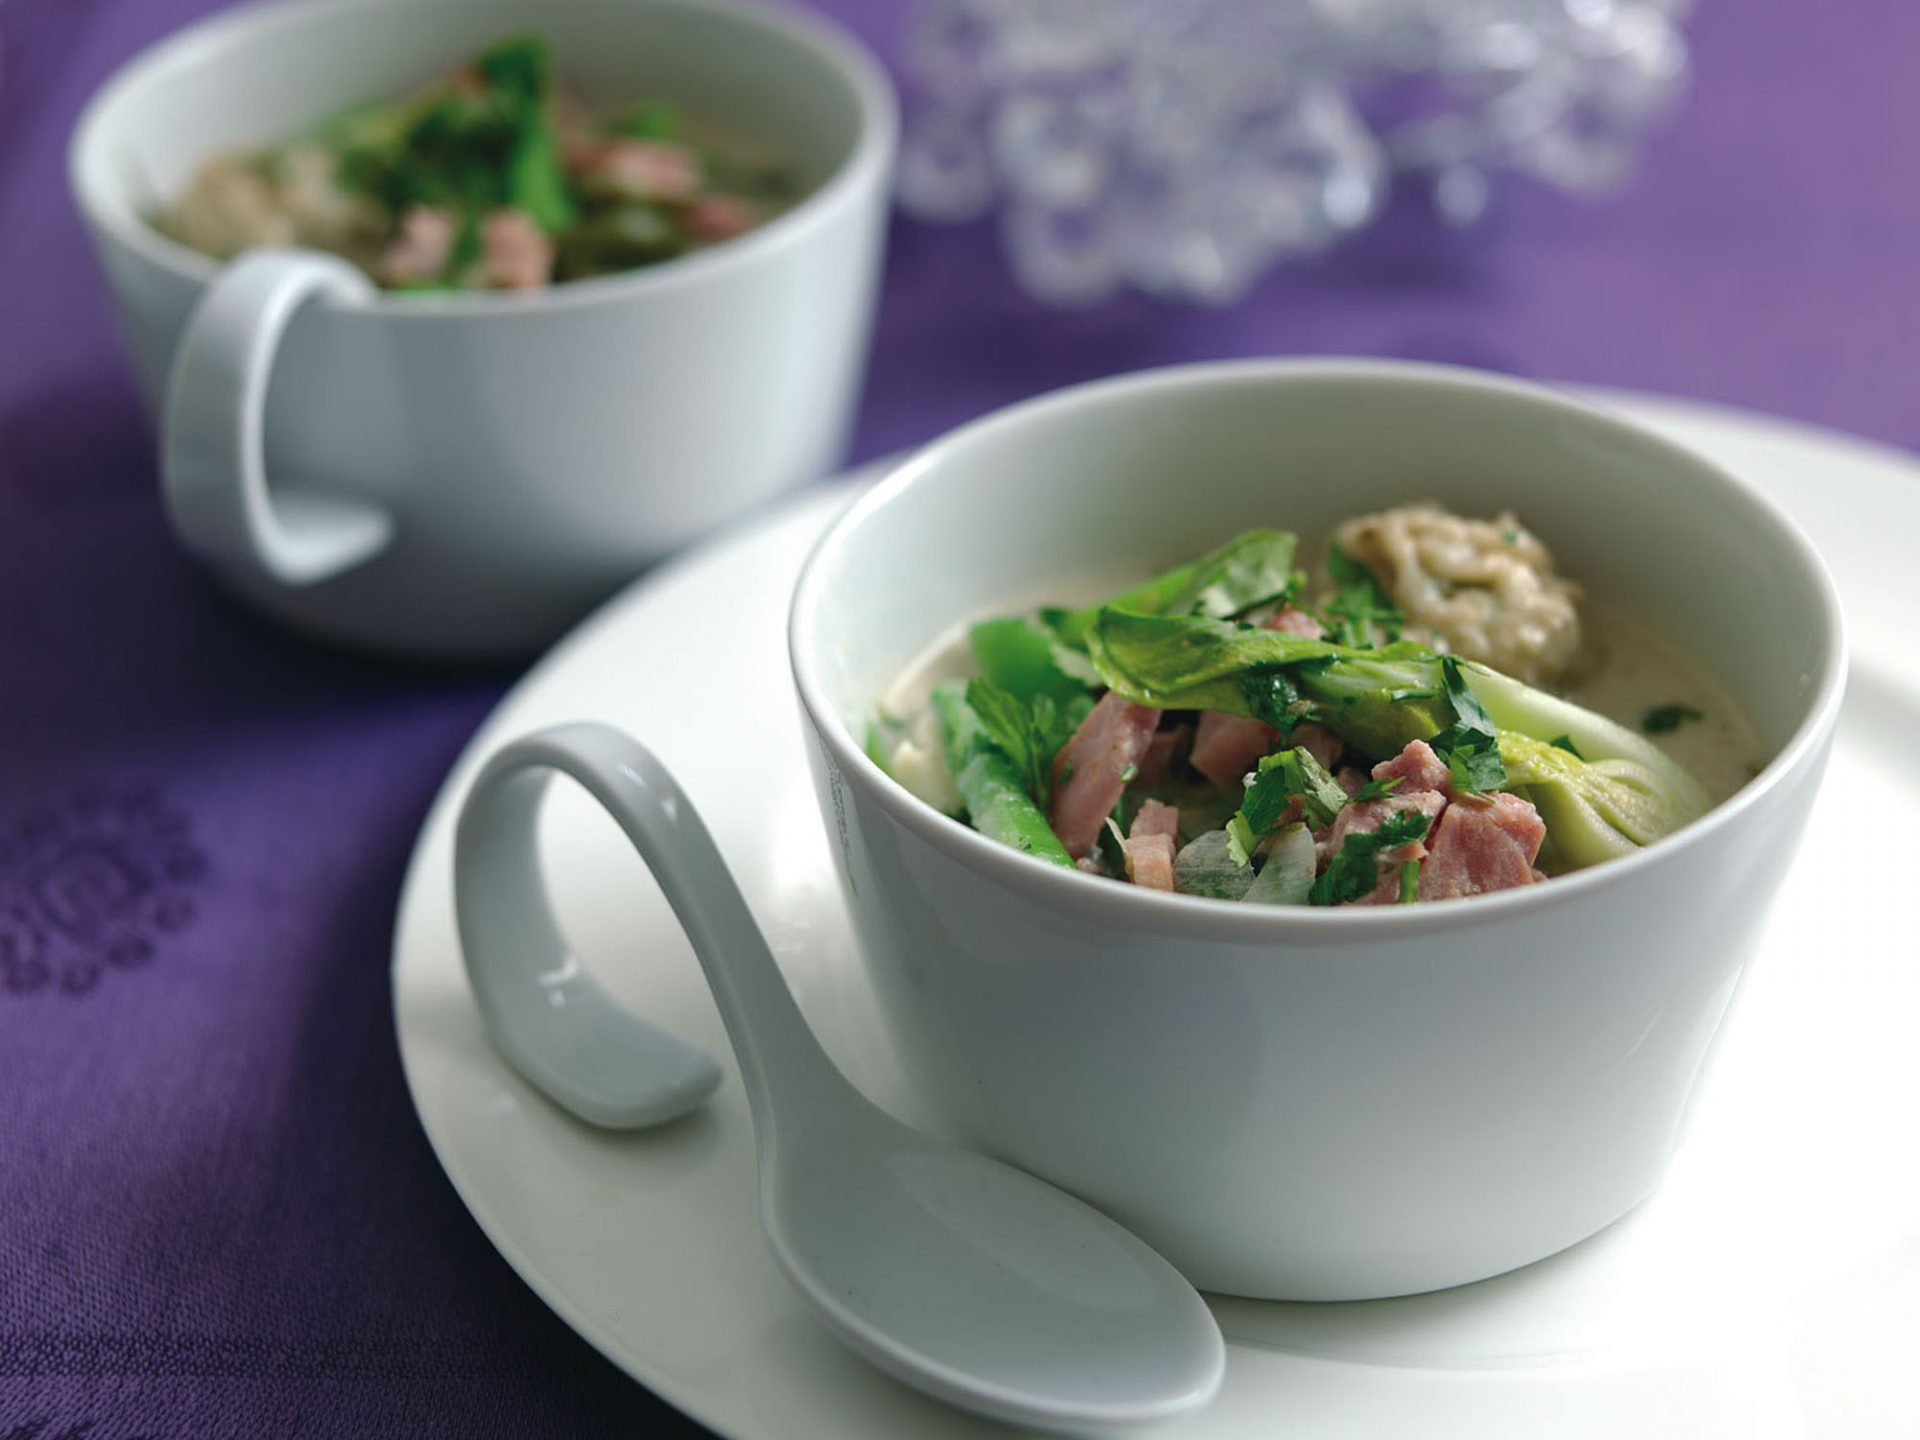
{"type": "Point", "coordinates": [990, 782]}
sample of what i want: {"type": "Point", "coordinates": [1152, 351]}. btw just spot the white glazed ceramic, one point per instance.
{"type": "Point", "coordinates": [1770, 1288]}
{"type": "Point", "coordinates": [964, 1277]}
{"type": "Point", "coordinates": [1293, 1103]}
{"type": "Point", "coordinates": [464, 475]}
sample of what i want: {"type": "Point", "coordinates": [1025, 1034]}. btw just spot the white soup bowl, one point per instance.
{"type": "Point", "coordinates": [465, 474]}
{"type": "Point", "coordinates": [1289, 1102]}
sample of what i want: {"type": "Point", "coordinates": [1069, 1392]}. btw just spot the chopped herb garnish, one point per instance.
{"type": "Point", "coordinates": [1409, 881]}
{"type": "Point", "coordinates": [1376, 789]}
{"type": "Point", "coordinates": [1565, 742]}
{"type": "Point", "coordinates": [1510, 536]}
{"type": "Point", "coordinates": [1276, 783]}
{"type": "Point", "coordinates": [1271, 696]}
{"type": "Point", "coordinates": [1029, 733]}
{"type": "Point", "coordinates": [1355, 871]}
{"type": "Point", "coordinates": [1470, 745]}
{"type": "Point", "coordinates": [1361, 613]}
{"type": "Point", "coordinates": [1663, 719]}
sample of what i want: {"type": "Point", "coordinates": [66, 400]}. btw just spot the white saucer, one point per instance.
{"type": "Point", "coordinates": [1771, 1289]}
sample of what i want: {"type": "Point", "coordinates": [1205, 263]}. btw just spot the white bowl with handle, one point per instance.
{"type": "Point", "coordinates": [1288, 1102]}
{"type": "Point", "coordinates": [466, 474]}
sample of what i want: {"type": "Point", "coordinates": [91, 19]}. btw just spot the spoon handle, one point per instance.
{"type": "Point", "coordinates": [547, 1015]}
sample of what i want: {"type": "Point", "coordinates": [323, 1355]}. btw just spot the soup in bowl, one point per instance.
{"type": "Point", "coordinates": [434, 469]}
{"type": "Point", "coordinates": [1313, 1101]}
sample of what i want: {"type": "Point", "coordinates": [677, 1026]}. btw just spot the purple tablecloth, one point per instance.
{"type": "Point", "coordinates": [218, 1216]}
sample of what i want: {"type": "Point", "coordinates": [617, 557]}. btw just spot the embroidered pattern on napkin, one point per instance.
{"type": "Point", "coordinates": [91, 883]}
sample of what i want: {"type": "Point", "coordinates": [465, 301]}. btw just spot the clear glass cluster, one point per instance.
{"type": "Point", "coordinates": [1181, 147]}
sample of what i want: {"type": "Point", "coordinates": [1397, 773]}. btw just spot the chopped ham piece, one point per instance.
{"type": "Point", "coordinates": [1166, 750]}
{"type": "Point", "coordinates": [417, 254]}
{"type": "Point", "coordinates": [1150, 861]}
{"type": "Point", "coordinates": [1225, 747]}
{"type": "Point", "coordinates": [1368, 816]}
{"type": "Point", "coordinates": [1094, 767]}
{"type": "Point", "coordinates": [641, 169]}
{"type": "Point", "coordinates": [1418, 768]}
{"type": "Point", "coordinates": [515, 253]}
{"type": "Point", "coordinates": [1295, 621]}
{"type": "Point", "coordinates": [1156, 818]}
{"type": "Point", "coordinates": [1482, 843]}
{"type": "Point", "coordinates": [719, 217]}
{"type": "Point", "coordinates": [1319, 742]}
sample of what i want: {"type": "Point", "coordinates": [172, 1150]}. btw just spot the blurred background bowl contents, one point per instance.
{"type": "Point", "coordinates": [494, 176]}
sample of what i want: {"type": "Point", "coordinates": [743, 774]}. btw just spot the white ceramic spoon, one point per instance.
{"type": "Point", "coordinates": [960, 1275]}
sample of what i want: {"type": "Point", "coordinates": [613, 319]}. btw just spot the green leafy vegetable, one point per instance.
{"type": "Point", "coordinates": [1469, 745]}
{"type": "Point", "coordinates": [1250, 570]}
{"type": "Point", "coordinates": [1025, 659]}
{"type": "Point", "coordinates": [1601, 808]}
{"type": "Point", "coordinates": [1376, 790]}
{"type": "Point", "coordinates": [1376, 700]}
{"type": "Point", "coordinates": [1664, 719]}
{"type": "Point", "coordinates": [1271, 696]}
{"type": "Point", "coordinates": [1355, 871]}
{"type": "Point", "coordinates": [1361, 612]}
{"type": "Point", "coordinates": [1627, 793]}
{"type": "Point", "coordinates": [1029, 733]}
{"type": "Point", "coordinates": [473, 150]}
{"type": "Point", "coordinates": [990, 784]}
{"type": "Point", "coordinates": [1279, 778]}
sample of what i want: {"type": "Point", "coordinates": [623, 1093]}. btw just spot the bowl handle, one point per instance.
{"type": "Point", "coordinates": [213, 471]}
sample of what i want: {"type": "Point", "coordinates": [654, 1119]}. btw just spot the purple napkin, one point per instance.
{"type": "Point", "coordinates": [218, 1216]}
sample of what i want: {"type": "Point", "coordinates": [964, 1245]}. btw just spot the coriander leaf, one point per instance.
{"type": "Point", "coordinates": [1565, 742]}
{"type": "Point", "coordinates": [1360, 608]}
{"type": "Point", "coordinates": [1355, 871]}
{"type": "Point", "coordinates": [1320, 794]}
{"type": "Point", "coordinates": [1409, 881]}
{"type": "Point", "coordinates": [1663, 719]}
{"type": "Point", "coordinates": [1376, 790]}
{"type": "Point", "coordinates": [1270, 695]}
{"type": "Point", "coordinates": [1470, 745]}
{"type": "Point", "coordinates": [1276, 782]}
{"type": "Point", "coordinates": [1475, 772]}
{"type": "Point", "coordinates": [1028, 733]}
{"type": "Point", "coordinates": [1007, 722]}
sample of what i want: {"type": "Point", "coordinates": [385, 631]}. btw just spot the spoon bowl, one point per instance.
{"type": "Point", "coordinates": [960, 1275]}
